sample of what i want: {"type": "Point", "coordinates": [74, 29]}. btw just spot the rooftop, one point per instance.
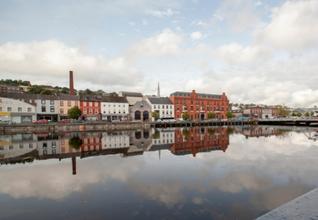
{"type": "Point", "coordinates": [131, 94]}
{"type": "Point", "coordinates": [201, 95]}
{"type": "Point", "coordinates": [160, 100]}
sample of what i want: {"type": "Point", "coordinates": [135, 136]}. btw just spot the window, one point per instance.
{"type": "Point", "coordinates": [43, 109]}
{"type": "Point", "coordinates": [52, 109]}
{"type": "Point", "coordinates": [29, 109]}
{"type": "Point", "coordinates": [68, 103]}
{"type": "Point", "coordinates": [62, 111]}
{"type": "Point", "coordinates": [9, 109]}
{"type": "Point", "coordinates": [51, 102]}
{"type": "Point", "coordinates": [43, 102]}
{"type": "Point", "coordinates": [154, 106]}
{"type": "Point", "coordinates": [61, 103]}
{"type": "Point", "coordinates": [0, 109]}
{"type": "Point", "coordinates": [19, 109]}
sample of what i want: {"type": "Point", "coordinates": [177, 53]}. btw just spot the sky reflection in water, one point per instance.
{"type": "Point", "coordinates": [200, 173]}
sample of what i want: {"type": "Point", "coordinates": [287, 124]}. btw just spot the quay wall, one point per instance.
{"type": "Point", "coordinates": [107, 126]}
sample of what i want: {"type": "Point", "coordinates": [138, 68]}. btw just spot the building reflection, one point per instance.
{"type": "Point", "coordinates": [25, 148]}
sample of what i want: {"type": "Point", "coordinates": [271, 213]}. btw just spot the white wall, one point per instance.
{"type": "Point", "coordinates": [114, 108]}
{"type": "Point", "coordinates": [48, 104]}
{"type": "Point", "coordinates": [165, 111]}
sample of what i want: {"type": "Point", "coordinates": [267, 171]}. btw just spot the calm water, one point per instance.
{"type": "Point", "coordinates": [200, 173]}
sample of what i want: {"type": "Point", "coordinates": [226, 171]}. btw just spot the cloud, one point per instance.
{"type": "Point", "coordinates": [45, 60]}
{"type": "Point", "coordinates": [162, 13]}
{"type": "Point", "coordinates": [293, 26]}
{"type": "Point", "coordinates": [197, 35]}
{"type": "Point", "coordinates": [239, 15]}
{"type": "Point", "coordinates": [166, 42]}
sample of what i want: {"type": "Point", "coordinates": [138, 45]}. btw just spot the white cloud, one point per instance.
{"type": "Point", "coordinates": [50, 61]}
{"type": "Point", "coordinates": [197, 35]}
{"type": "Point", "coordinates": [167, 42]}
{"type": "Point", "coordinates": [162, 13]}
{"type": "Point", "coordinates": [293, 26]}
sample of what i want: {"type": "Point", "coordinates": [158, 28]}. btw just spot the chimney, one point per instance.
{"type": "Point", "coordinates": [72, 92]}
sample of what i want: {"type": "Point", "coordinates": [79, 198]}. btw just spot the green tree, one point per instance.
{"type": "Point", "coordinates": [185, 116]}
{"type": "Point", "coordinates": [74, 112]}
{"type": "Point", "coordinates": [307, 114]}
{"type": "Point", "coordinates": [211, 115]}
{"type": "Point", "coordinates": [229, 115]}
{"type": "Point", "coordinates": [155, 115]}
{"type": "Point", "coordinates": [282, 111]}
{"type": "Point", "coordinates": [75, 142]}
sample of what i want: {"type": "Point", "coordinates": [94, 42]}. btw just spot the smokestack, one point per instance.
{"type": "Point", "coordinates": [72, 92]}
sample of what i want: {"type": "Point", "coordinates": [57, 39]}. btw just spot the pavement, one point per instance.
{"type": "Point", "coordinates": [303, 207]}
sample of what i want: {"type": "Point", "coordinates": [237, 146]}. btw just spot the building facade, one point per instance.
{"type": "Point", "coordinates": [90, 107]}
{"type": "Point", "coordinates": [114, 108]}
{"type": "Point", "coordinates": [67, 102]}
{"type": "Point", "coordinates": [140, 111]}
{"type": "Point", "coordinates": [16, 111]}
{"type": "Point", "coordinates": [163, 106]}
{"type": "Point", "coordinates": [47, 107]}
{"type": "Point", "coordinates": [198, 105]}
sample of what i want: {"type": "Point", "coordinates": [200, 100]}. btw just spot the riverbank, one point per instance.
{"type": "Point", "coordinates": [108, 126]}
{"type": "Point", "coordinates": [71, 127]}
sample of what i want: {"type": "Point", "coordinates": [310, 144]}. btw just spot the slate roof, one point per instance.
{"type": "Point", "coordinates": [201, 95]}
{"type": "Point", "coordinates": [117, 99]}
{"type": "Point", "coordinates": [132, 94]}
{"type": "Point", "coordinates": [160, 100]}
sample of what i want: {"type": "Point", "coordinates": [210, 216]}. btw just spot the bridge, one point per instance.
{"type": "Point", "coordinates": [289, 121]}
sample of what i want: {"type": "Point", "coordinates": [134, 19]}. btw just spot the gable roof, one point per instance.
{"type": "Point", "coordinates": [131, 94]}
{"type": "Point", "coordinates": [117, 99]}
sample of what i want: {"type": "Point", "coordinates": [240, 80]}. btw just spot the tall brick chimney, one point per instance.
{"type": "Point", "coordinates": [72, 92]}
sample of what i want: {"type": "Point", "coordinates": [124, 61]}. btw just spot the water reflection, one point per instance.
{"type": "Point", "coordinates": [194, 173]}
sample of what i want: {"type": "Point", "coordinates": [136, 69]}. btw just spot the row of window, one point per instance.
{"type": "Point", "coordinates": [183, 101]}
{"type": "Point", "coordinates": [114, 105]}
{"type": "Point", "coordinates": [69, 103]}
{"type": "Point", "coordinates": [90, 104]}
{"type": "Point", "coordinates": [43, 102]}
{"type": "Point", "coordinates": [114, 112]}
{"type": "Point", "coordinates": [43, 109]}
{"type": "Point", "coordinates": [9, 109]}
{"type": "Point", "coordinates": [162, 106]}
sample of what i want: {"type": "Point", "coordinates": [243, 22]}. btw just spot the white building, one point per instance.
{"type": "Point", "coordinates": [114, 108]}
{"type": "Point", "coordinates": [47, 107]}
{"type": "Point", "coordinates": [16, 111]}
{"type": "Point", "coordinates": [163, 106]}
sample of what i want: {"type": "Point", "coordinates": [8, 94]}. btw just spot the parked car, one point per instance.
{"type": "Point", "coordinates": [41, 121]}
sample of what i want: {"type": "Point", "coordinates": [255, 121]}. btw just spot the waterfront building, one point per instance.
{"type": "Point", "coordinates": [140, 111]}
{"type": "Point", "coordinates": [162, 138]}
{"type": "Point", "coordinates": [16, 111]}
{"type": "Point", "coordinates": [132, 97]}
{"type": "Point", "coordinates": [262, 112]}
{"type": "Point", "coordinates": [114, 108]}
{"type": "Point", "coordinates": [90, 107]}
{"type": "Point", "coordinates": [163, 106]}
{"type": "Point", "coordinates": [198, 105]}
{"type": "Point", "coordinates": [48, 145]}
{"type": "Point", "coordinates": [47, 107]}
{"type": "Point", "coordinates": [67, 102]}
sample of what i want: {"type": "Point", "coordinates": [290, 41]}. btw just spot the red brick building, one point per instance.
{"type": "Point", "coordinates": [90, 107]}
{"type": "Point", "coordinates": [199, 139]}
{"type": "Point", "coordinates": [198, 105]}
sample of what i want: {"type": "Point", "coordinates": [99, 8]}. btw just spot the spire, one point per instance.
{"type": "Point", "coordinates": [158, 90]}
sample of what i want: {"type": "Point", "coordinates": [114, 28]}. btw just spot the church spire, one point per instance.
{"type": "Point", "coordinates": [158, 90]}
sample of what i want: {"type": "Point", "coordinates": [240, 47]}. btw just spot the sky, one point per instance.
{"type": "Point", "coordinates": [255, 51]}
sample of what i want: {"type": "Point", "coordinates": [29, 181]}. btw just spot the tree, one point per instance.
{"type": "Point", "coordinates": [75, 142]}
{"type": "Point", "coordinates": [307, 114]}
{"type": "Point", "coordinates": [282, 111]}
{"type": "Point", "coordinates": [229, 115]}
{"type": "Point", "coordinates": [74, 112]}
{"type": "Point", "coordinates": [185, 116]}
{"type": "Point", "coordinates": [155, 115]}
{"type": "Point", "coordinates": [211, 115]}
